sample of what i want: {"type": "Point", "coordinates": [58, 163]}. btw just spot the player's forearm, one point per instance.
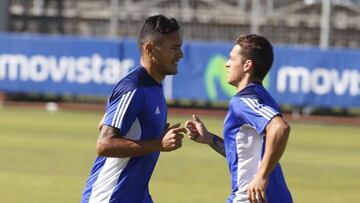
{"type": "Point", "coordinates": [111, 144]}
{"type": "Point", "coordinates": [217, 143]}
{"type": "Point", "coordinates": [276, 141]}
{"type": "Point", "coordinates": [123, 148]}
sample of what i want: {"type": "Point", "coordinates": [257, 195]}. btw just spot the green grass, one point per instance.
{"type": "Point", "coordinates": [46, 157]}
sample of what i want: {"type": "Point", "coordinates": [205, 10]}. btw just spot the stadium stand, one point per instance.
{"type": "Point", "coordinates": [282, 21]}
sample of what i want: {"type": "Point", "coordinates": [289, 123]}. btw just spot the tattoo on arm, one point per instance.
{"type": "Point", "coordinates": [218, 145]}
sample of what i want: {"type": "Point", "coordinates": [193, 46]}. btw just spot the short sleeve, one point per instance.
{"type": "Point", "coordinates": [254, 111]}
{"type": "Point", "coordinates": [123, 109]}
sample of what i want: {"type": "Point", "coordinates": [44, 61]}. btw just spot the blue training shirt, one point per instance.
{"type": "Point", "coordinates": [250, 111]}
{"type": "Point", "coordinates": [137, 108]}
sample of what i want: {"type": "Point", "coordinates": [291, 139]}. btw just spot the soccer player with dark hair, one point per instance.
{"type": "Point", "coordinates": [134, 129]}
{"type": "Point", "coordinates": [255, 133]}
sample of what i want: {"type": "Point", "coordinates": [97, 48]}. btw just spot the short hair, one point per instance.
{"type": "Point", "coordinates": [156, 25]}
{"type": "Point", "coordinates": [258, 49]}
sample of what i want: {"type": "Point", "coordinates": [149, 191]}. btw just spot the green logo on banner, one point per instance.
{"type": "Point", "coordinates": [266, 81]}
{"type": "Point", "coordinates": [216, 74]}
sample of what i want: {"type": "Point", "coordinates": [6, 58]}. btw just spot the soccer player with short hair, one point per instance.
{"type": "Point", "coordinates": [134, 128]}
{"type": "Point", "coordinates": [255, 133]}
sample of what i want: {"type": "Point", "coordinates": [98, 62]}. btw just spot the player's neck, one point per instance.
{"type": "Point", "coordinates": [241, 85]}
{"type": "Point", "coordinates": [245, 82]}
{"type": "Point", "coordinates": [152, 71]}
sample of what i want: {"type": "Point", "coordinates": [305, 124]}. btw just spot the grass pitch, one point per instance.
{"type": "Point", "coordinates": [46, 157]}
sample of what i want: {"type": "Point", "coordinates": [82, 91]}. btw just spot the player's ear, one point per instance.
{"type": "Point", "coordinates": [248, 65]}
{"type": "Point", "coordinates": [149, 48]}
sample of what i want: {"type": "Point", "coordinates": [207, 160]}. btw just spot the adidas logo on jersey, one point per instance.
{"type": "Point", "coordinates": [157, 111]}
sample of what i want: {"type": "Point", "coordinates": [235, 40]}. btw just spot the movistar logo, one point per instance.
{"type": "Point", "coordinates": [216, 79]}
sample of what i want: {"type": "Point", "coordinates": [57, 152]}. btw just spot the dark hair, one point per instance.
{"type": "Point", "coordinates": [155, 26]}
{"type": "Point", "coordinates": [259, 50]}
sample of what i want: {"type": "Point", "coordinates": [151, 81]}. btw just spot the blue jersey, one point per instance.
{"type": "Point", "coordinates": [250, 111]}
{"type": "Point", "coordinates": [137, 108]}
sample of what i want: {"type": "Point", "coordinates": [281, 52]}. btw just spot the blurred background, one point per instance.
{"type": "Point", "coordinates": [76, 50]}
{"type": "Point", "coordinates": [325, 23]}
{"type": "Point", "coordinates": [59, 60]}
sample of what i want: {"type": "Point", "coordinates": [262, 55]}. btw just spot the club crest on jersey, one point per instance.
{"type": "Point", "coordinates": [157, 111]}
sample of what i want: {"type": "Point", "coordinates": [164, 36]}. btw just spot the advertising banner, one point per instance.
{"type": "Point", "coordinates": [86, 66]}
{"type": "Point", "coordinates": [315, 77]}
{"type": "Point", "coordinates": [58, 65]}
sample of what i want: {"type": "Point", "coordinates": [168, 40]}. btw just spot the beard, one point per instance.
{"type": "Point", "coordinates": [169, 69]}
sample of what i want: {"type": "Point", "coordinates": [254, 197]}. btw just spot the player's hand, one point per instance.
{"type": "Point", "coordinates": [256, 190]}
{"type": "Point", "coordinates": [198, 131]}
{"type": "Point", "coordinates": [172, 139]}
